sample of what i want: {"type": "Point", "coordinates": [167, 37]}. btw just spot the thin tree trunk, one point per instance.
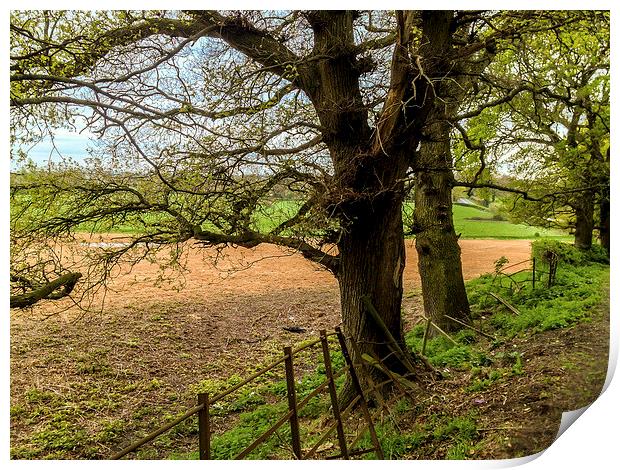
{"type": "Point", "coordinates": [439, 255]}
{"type": "Point", "coordinates": [604, 233]}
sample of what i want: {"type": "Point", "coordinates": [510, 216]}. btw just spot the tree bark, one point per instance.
{"type": "Point", "coordinates": [439, 254]}
{"type": "Point", "coordinates": [367, 195]}
{"type": "Point", "coordinates": [604, 233]}
{"type": "Point", "coordinates": [584, 221]}
{"type": "Point", "coordinates": [372, 260]}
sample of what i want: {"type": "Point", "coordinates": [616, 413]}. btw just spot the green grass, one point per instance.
{"type": "Point", "coordinates": [578, 289]}
{"type": "Point", "coordinates": [469, 221]}
{"type": "Point", "coordinates": [473, 222]}
{"type": "Point", "coordinates": [457, 434]}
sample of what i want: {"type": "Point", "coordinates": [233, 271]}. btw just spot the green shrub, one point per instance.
{"type": "Point", "coordinates": [567, 253]}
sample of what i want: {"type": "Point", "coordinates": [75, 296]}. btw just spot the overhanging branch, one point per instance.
{"type": "Point", "coordinates": [525, 194]}
{"type": "Point", "coordinates": [251, 239]}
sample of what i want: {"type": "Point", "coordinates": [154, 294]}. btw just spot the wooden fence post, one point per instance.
{"type": "Point", "coordinates": [292, 401]}
{"type": "Point", "coordinates": [426, 333]}
{"type": "Point", "coordinates": [369, 382]}
{"type": "Point", "coordinates": [204, 427]}
{"type": "Point", "coordinates": [358, 388]}
{"type": "Point", "coordinates": [334, 396]}
{"type": "Point", "coordinates": [553, 266]}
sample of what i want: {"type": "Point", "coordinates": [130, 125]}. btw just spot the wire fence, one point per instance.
{"type": "Point", "coordinates": [551, 261]}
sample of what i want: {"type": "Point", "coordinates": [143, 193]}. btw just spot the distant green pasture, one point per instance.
{"type": "Point", "coordinates": [474, 222]}
{"type": "Point", "coordinates": [469, 221]}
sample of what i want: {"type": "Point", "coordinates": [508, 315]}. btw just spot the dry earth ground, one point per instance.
{"type": "Point", "coordinates": [84, 386]}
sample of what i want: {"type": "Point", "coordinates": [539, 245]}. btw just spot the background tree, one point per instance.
{"type": "Point", "coordinates": [553, 137]}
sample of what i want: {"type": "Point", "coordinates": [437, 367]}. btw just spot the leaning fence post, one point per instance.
{"type": "Point", "coordinates": [358, 388]}
{"type": "Point", "coordinates": [333, 394]}
{"type": "Point", "coordinates": [204, 427]}
{"type": "Point", "coordinates": [292, 401]}
{"type": "Point", "coordinates": [426, 333]}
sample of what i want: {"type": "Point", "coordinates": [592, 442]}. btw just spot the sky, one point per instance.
{"type": "Point", "coordinates": [70, 145]}
{"type": "Point", "coordinates": [65, 144]}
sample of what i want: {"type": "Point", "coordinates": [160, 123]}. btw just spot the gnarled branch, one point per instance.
{"type": "Point", "coordinates": [57, 289]}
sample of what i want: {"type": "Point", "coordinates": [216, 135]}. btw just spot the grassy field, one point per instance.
{"type": "Point", "coordinates": [474, 222]}
{"type": "Point", "coordinates": [469, 221]}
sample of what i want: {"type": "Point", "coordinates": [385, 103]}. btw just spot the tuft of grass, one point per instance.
{"type": "Point", "coordinates": [60, 435]}
{"type": "Point", "coordinates": [458, 434]}
{"type": "Point", "coordinates": [486, 379]}
{"type": "Point", "coordinates": [441, 352]}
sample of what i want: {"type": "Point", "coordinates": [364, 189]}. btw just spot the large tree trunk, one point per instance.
{"type": "Point", "coordinates": [584, 221]}
{"type": "Point", "coordinates": [370, 168]}
{"type": "Point", "coordinates": [366, 195]}
{"type": "Point", "coordinates": [372, 259]}
{"type": "Point", "coordinates": [439, 254]}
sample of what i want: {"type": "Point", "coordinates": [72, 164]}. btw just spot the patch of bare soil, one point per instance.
{"type": "Point", "coordinates": [82, 386]}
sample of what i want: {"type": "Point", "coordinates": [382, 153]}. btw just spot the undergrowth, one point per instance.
{"type": "Point", "coordinates": [569, 300]}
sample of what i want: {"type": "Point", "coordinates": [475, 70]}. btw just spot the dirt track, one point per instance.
{"type": "Point", "coordinates": [270, 270]}
{"type": "Point", "coordinates": [273, 286]}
